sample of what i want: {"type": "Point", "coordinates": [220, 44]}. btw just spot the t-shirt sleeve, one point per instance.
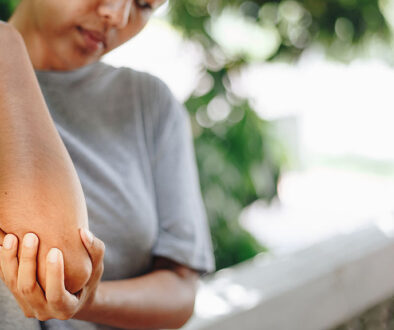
{"type": "Point", "coordinates": [183, 229]}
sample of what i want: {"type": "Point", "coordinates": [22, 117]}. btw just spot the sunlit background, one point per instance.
{"type": "Point", "coordinates": [329, 109]}
{"type": "Point", "coordinates": [333, 114]}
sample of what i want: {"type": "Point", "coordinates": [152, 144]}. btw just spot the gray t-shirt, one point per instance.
{"type": "Point", "coordinates": [131, 144]}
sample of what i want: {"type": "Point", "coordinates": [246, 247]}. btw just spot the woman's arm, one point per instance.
{"type": "Point", "coordinates": [39, 189]}
{"type": "Point", "coordinates": [19, 275]}
{"type": "Point", "coordinates": [163, 298]}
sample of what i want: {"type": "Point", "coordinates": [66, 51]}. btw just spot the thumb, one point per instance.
{"type": "Point", "coordinates": [93, 245]}
{"type": "Point", "coordinates": [96, 250]}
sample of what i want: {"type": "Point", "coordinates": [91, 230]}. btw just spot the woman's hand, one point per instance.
{"type": "Point", "coordinates": [21, 277]}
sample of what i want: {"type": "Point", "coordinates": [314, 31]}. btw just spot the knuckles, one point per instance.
{"type": "Point", "coordinates": [29, 315]}
{"type": "Point", "coordinates": [12, 285]}
{"type": "Point", "coordinates": [78, 271]}
{"type": "Point", "coordinates": [27, 258]}
{"type": "Point", "coordinates": [27, 289]}
{"type": "Point", "coordinates": [42, 317]}
{"type": "Point", "coordinates": [56, 301]}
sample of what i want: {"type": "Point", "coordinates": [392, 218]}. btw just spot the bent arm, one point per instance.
{"type": "Point", "coordinates": [163, 298]}
{"type": "Point", "coordinates": [39, 189]}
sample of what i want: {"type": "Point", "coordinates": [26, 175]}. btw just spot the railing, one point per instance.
{"type": "Point", "coordinates": [380, 317]}
{"type": "Point", "coordinates": [321, 287]}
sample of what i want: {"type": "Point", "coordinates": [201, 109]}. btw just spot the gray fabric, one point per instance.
{"type": "Point", "coordinates": [11, 316]}
{"type": "Point", "coordinates": [131, 144]}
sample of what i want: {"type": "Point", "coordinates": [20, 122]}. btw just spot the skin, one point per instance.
{"type": "Point", "coordinates": [51, 28]}
{"type": "Point", "coordinates": [51, 32]}
{"type": "Point", "coordinates": [39, 188]}
{"type": "Point", "coordinates": [55, 301]}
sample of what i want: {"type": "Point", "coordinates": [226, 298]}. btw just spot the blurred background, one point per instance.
{"type": "Point", "coordinates": [291, 108]}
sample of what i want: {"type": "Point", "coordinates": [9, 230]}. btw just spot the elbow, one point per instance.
{"type": "Point", "coordinates": [77, 275]}
{"type": "Point", "coordinates": [184, 315]}
{"type": "Point", "coordinates": [185, 310]}
{"type": "Point", "coordinates": [182, 285]}
{"type": "Point", "coordinates": [77, 265]}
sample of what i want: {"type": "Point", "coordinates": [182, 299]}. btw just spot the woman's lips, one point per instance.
{"type": "Point", "coordinates": [93, 40]}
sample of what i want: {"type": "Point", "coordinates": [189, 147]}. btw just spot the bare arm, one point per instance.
{"type": "Point", "coordinates": [163, 298]}
{"type": "Point", "coordinates": [39, 189]}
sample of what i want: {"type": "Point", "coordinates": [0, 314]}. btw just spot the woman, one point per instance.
{"type": "Point", "coordinates": [131, 144]}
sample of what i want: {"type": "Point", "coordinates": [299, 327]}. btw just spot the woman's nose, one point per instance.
{"type": "Point", "coordinates": [115, 12]}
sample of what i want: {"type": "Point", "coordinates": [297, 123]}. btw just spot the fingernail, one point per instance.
{"type": "Point", "coordinates": [53, 255]}
{"type": "Point", "coordinates": [8, 242]}
{"type": "Point", "coordinates": [89, 236]}
{"type": "Point", "coordinates": [29, 240]}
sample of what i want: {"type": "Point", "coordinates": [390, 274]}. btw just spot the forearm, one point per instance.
{"type": "Point", "coordinates": [30, 147]}
{"type": "Point", "coordinates": [39, 188]}
{"type": "Point", "coordinates": [161, 299]}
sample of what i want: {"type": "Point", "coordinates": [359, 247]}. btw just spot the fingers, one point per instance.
{"type": "Point", "coordinates": [96, 251]}
{"type": "Point", "coordinates": [2, 235]}
{"type": "Point", "coordinates": [21, 278]}
{"type": "Point", "coordinates": [57, 296]}
{"type": "Point", "coordinates": [28, 264]}
{"type": "Point", "coordinates": [27, 273]}
{"type": "Point", "coordinates": [9, 261]}
{"type": "Point", "coordinates": [9, 267]}
{"type": "Point", "coordinates": [54, 274]}
{"type": "Point", "coordinates": [28, 289]}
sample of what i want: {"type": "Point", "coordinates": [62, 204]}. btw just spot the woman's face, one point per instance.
{"type": "Point", "coordinates": [73, 33]}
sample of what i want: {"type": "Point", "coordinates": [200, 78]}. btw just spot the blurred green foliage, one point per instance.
{"type": "Point", "coordinates": [238, 157]}
{"type": "Point", "coordinates": [6, 8]}
{"type": "Point", "coordinates": [238, 163]}
{"type": "Point", "coordinates": [297, 23]}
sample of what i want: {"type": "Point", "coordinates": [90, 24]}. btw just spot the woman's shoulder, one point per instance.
{"type": "Point", "coordinates": [131, 78]}
{"type": "Point", "coordinates": [150, 90]}
{"type": "Point", "coordinates": [144, 93]}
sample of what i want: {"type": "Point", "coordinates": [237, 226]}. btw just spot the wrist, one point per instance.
{"type": "Point", "coordinates": [88, 310]}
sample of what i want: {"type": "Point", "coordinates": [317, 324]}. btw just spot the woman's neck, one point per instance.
{"type": "Point", "coordinates": [36, 46]}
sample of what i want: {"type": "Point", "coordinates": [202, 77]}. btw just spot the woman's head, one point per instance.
{"type": "Point", "coordinates": [67, 34]}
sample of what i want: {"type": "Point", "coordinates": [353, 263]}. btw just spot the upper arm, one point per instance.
{"type": "Point", "coordinates": [183, 227]}
{"type": "Point", "coordinates": [39, 189]}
